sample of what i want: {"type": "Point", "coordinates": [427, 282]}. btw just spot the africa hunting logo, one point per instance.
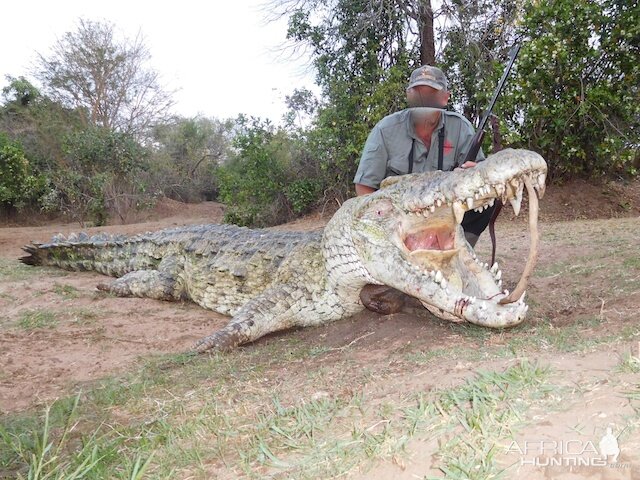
{"type": "Point", "coordinates": [569, 453]}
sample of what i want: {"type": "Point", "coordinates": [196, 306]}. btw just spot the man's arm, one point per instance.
{"type": "Point", "coordinates": [363, 189]}
{"type": "Point", "coordinates": [373, 164]}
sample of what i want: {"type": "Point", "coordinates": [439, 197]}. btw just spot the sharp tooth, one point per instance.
{"type": "Point", "coordinates": [515, 203]}
{"type": "Point", "coordinates": [458, 211]}
{"type": "Point", "coordinates": [476, 195]}
{"type": "Point", "coordinates": [491, 202]}
{"type": "Point", "coordinates": [498, 274]}
{"type": "Point", "coordinates": [469, 202]}
{"type": "Point", "coordinates": [438, 277]}
{"type": "Point", "coordinates": [479, 209]}
{"type": "Point", "coordinates": [506, 292]}
{"type": "Point", "coordinates": [443, 283]}
{"type": "Point", "coordinates": [521, 299]}
{"type": "Point", "coordinates": [499, 283]}
{"type": "Point", "coordinates": [500, 189]}
{"type": "Point", "coordinates": [432, 208]}
{"type": "Point", "coordinates": [526, 308]}
{"type": "Point", "coordinates": [425, 213]}
{"type": "Point", "coordinates": [541, 179]}
{"type": "Point", "coordinates": [494, 267]}
{"type": "Point", "coordinates": [438, 203]}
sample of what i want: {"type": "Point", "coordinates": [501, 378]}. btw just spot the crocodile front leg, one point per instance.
{"type": "Point", "coordinates": [278, 308]}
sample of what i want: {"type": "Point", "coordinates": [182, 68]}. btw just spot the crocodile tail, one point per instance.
{"type": "Point", "coordinates": [108, 254]}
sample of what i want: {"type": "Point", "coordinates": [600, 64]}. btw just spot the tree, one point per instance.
{"type": "Point", "coordinates": [186, 154]}
{"type": "Point", "coordinates": [577, 99]}
{"type": "Point", "coordinates": [105, 78]}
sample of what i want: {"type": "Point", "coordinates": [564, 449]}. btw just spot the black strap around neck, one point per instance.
{"type": "Point", "coordinates": [441, 148]}
{"type": "Point", "coordinates": [413, 144]}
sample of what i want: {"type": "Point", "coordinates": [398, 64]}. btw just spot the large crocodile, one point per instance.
{"type": "Point", "coordinates": [407, 235]}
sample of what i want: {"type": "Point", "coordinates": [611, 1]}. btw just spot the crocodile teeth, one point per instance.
{"type": "Point", "coordinates": [499, 283]}
{"type": "Point", "coordinates": [438, 277]}
{"type": "Point", "coordinates": [498, 274]}
{"type": "Point", "coordinates": [494, 267]}
{"type": "Point", "coordinates": [469, 202]}
{"type": "Point", "coordinates": [438, 203]}
{"type": "Point", "coordinates": [432, 208]}
{"type": "Point", "coordinates": [491, 202]}
{"type": "Point", "coordinates": [458, 211]}
{"type": "Point", "coordinates": [515, 203]}
{"type": "Point", "coordinates": [443, 283]}
{"type": "Point", "coordinates": [521, 299]}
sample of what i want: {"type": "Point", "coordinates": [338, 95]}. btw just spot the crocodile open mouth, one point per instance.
{"type": "Point", "coordinates": [444, 210]}
{"type": "Point", "coordinates": [438, 238]}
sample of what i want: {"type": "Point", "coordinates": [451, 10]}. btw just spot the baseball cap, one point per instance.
{"type": "Point", "coordinates": [428, 75]}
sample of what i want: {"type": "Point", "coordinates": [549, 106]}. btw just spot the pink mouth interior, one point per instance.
{"type": "Point", "coordinates": [431, 239]}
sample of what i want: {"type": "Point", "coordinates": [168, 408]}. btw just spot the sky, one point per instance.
{"type": "Point", "coordinates": [222, 57]}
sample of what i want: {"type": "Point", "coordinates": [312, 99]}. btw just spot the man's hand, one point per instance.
{"type": "Point", "coordinates": [467, 164]}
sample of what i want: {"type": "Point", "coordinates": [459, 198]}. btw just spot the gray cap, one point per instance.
{"type": "Point", "coordinates": [428, 75]}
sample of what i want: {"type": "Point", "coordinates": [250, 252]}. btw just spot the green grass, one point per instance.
{"type": "Point", "coordinates": [628, 364]}
{"type": "Point", "coordinates": [13, 270]}
{"type": "Point", "coordinates": [38, 318]}
{"type": "Point", "coordinates": [172, 422]}
{"type": "Point", "coordinates": [66, 291]}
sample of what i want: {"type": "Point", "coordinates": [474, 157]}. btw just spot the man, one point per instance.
{"type": "Point", "coordinates": [410, 141]}
{"type": "Point", "coordinates": [417, 139]}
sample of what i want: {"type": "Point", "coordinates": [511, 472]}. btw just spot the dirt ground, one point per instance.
{"type": "Point", "coordinates": [97, 335]}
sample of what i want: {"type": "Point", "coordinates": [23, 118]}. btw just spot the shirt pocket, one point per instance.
{"type": "Point", "coordinates": [398, 165]}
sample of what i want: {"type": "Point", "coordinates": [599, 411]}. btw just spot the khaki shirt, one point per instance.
{"type": "Point", "coordinates": [386, 152]}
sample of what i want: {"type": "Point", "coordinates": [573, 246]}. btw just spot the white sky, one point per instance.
{"type": "Point", "coordinates": [221, 55]}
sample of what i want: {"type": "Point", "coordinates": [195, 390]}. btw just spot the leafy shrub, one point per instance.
{"type": "Point", "coordinates": [18, 185]}
{"type": "Point", "coordinates": [105, 176]}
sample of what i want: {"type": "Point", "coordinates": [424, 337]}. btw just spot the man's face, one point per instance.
{"type": "Point", "coordinates": [426, 96]}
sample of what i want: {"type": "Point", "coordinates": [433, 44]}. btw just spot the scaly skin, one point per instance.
{"type": "Point", "coordinates": [406, 235]}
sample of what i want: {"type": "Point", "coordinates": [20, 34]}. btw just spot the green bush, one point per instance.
{"type": "Point", "coordinates": [18, 184]}
{"type": "Point", "coordinates": [302, 194]}
{"type": "Point", "coordinates": [105, 176]}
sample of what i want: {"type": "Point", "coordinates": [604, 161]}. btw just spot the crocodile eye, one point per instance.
{"type": "Point", "coordinates": [379, 212]}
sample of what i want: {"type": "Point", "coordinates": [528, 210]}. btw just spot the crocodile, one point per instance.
{"type": "Point", "coordinates": [406, 235]}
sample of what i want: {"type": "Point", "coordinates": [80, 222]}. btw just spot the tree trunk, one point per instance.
{"type": "Point", "coordinates": [427, 42]}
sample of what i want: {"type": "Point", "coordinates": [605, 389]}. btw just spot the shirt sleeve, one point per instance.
{"type": "Point", "coordinates": [373, 162]}
{"type": "Point", "coordinates": [466, 135]}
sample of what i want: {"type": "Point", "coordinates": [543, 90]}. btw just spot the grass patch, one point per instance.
{"type": "Point", "coordinates": [628, 364]}
{"type": "Point", "coordinates": [168, 421]}
{"type": "Point", "coordinates": [33, 319]}
{"type": "Point", "coordinates": [13, 270]}
{"type": "Point", "coordinates": [66, 291]}
{"type": "Point", "coordinates": [84, 316]}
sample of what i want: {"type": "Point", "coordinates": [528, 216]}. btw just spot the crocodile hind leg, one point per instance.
{"type": "Point", "coordinates": [145, 283]}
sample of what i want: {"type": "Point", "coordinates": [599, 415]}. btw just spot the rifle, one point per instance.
{"type": "Point", "coordinates": [476, 142]}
